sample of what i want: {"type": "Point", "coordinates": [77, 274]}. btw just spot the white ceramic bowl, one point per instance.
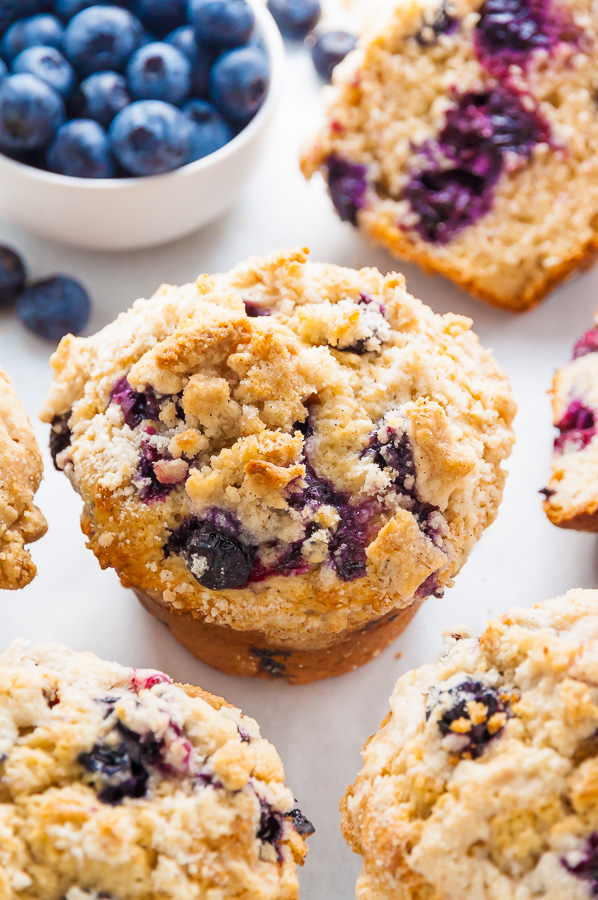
{"type": "Point", "coordinates": [128, 213]}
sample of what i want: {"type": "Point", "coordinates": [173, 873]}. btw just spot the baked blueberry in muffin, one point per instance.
{"type": "Point", "coordinates": [119, 785]}
{"type": "Point", "coordinates": [463, 135]}
{"type": "Point", "coordinates": [481, 781]}
{"type": "Point", "coordinates": [282, 460]}
{"type": "Point", "coordinates": [571, 497]}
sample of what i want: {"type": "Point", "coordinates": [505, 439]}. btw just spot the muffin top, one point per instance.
{"type": "Point", "coordinates": [118, 784]}
{"type": "Point", "coordinates": [21, 468]}
{"type": "Point", "coordinates": [481, 782]}
{"type": "Point", "coordinates": [290, 447]}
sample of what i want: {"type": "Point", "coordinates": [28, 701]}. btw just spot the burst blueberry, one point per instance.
{"type": "Point", "coordinates": [586, 868]}
{"type": "Point", "coordinates": [444, 21]}
{"type": "Point", "coordinates": [121, 768]}
{"type": "Point", "coordinates": [295, 18]}
{"type": "Point", "coordinates": [49, 65]}
{"type": "Point", "coordinates": [329, 49]}
{"type": "Point", "coordinates": [81, 150]}
{"type": "Point", "coordinates": [509, 31]}
{"type": "Point", "coordinates": [209, 132]}
{"type": "Point", "coordinates": [136, 406]}
{"type": "Point", "coordinates": [36, 31]}
{"type": "Point", "coordinates": [239, 83]}
{"type": "Point", "coordinates": [60, 437]}
{"type": "Point", "coordinates": [473, 712]}
{"type": "Point", "coordinates": [224, 23]}
{"type": "Point", "coordinates": [347, 186]}
{"type": "Point", "coordinates": [55, 306]}
{"type": "Point", "coordinates": [150, 137]}
{"type": "Point", "coordinates": [12, 275]}
{"type": "Point", "coordinates": [30, 113]}
{"type": "Point", "coordinates": [102, 38]}
{"type": "Point", "coordinates": [216, 557]}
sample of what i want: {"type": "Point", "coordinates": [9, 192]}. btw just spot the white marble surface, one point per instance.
{"type": "Point", "coordinates": [318, 730]}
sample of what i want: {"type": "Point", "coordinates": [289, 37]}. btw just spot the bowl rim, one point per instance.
{"type": "Point", "coordinates": [275, 49]}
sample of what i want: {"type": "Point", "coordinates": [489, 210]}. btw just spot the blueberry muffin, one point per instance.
{"type": "Point", "coordinates": [481, 782]}
{"type": "Point", "coordinates": [571, 498]}
{"type": "Point", "coordinates": [118, 784]}
{"type": "Point", "coordinates": [284, 459]}
{"type": "Point", "coordinates": [21, 469]}
{"type": "Point", "coordinates": [463, 135]}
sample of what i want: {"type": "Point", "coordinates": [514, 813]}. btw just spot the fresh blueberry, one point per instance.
{"type": "Point", "coordinates": [509, 30]}
{"type": "Point", "coordinates": [30, 113]}
{"type": "Point", "coordinates": [48, 64]}
{"type": "Point", "coordinates": [224, 23]}
{"type": "Point", "coordinates": [102, 38]}
{"type": "Point", "coordinates": [239, 83]}
{"type": "Point", "coordinates": [216, 557]}
{"type": "Point", "coordinates": [329, 49]}
{"type": "Point", "coordinates": [150, 137]}
{"type": "Point", "coordinates": [295, 18]}
{"type": "Point", "coordinates": [577, 427]}
{"type": "Point", "coordinates": [37, 31]}
{"type": "Point", "coordinates": [159, 71]}
{"type": "Point", "coordinates": [101, 97]}
{"type": "Point", "coordinates": [122, 769]}
{"type": "Point", "coordinates": [271, 662]}
{"type": "Point", "coordinates": [161, 16]}
{"type": "Point", "coordinates": [12, 276]}
{"type": "Point", "coordinates": [209, 130]}
{"type": "Point", "coordinates": [54, 306]}
{"type": "Point", "coordinates": [200, 57]}
{"type": "Point", "coordinates": [81, 149]}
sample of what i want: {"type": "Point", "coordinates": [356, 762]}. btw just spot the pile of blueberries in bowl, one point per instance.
{"type": "Point", "coordinates": [96, 89]}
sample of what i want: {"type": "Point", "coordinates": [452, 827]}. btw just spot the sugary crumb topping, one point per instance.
{"type": "Point", "coordinates": [481, 781]}
{"type": "Point", "coordinates": [116, 783]}
{"type": "Point", "coordinates": [289, 447]}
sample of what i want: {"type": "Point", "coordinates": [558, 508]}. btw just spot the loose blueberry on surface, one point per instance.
{"type": "Point", "coordinates": [36, 31]}
{"type": "Point", "coordinates": [577, 427]}
{"type": "Point", "coordinates": [60, 437]}
{"type": "Point", "coordinates": [81, 149]}
{"type": "Point", "coordinates": [102, 38]}
{"type": "Point", "coordinates": [159, 71]}
{"type": "Point", "coordinates": [210, 131]}
{"type": "Point", "coordinates": [100, 97]}
{"type": "Point", "coordinates": [217, 558]}
{"type": "Point", "coordinates": [329, 49]}
{"type": "Point", "coordinates": [479, 131]}
{"type": "Point", "coordinates": [136, 406]}
{"type": "Point", "coordinates": [239, 82]}
{"type": "Point", "coordinates": [150, 137]}
{"type": "Point", "coordinates": [271, 662]}
{"type": "Point", "coordinates": [301, 823]}
{"type": "Point", "coordinates": [12, 275]}
{"type": "Point", "coordinates": [295, 18]}
{"type": "Point", "coordinates": [586, 344]}
{"type": "Point", "coordinates": [224, 23]}
{"type": "Point", "coordinates": [30, 113]}
{"type": "Point", "coordinates": [55, 306]}
{"type": "Point", "coordinates": [200, 57]}
{"type": "Point", "coordinates": [122, 769]}
{"type": "Point", "coordinates": [587, 867]}
{"type": "Point", "coordinates": [347, 186]}
{"type": "Point", "coordinates": [49, 65]}
{"type": "Point", "coordinates": [473, 712]}
{"type": "Point", "coordinates": [443, 22]}
{"type": "Point", "coordinates": [161, 16]}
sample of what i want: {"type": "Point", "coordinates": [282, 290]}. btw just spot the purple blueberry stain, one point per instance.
{"type": "Point", "coordinates": [60, 437]}
{"type": "Point", "coordinates": [347, 186]}
{"type": "Point", "coordinates": [136, 406]}
{"type": "Point", "coordinates": [510, 31]}
{"type": "Point", "coordinates": [254, 310]}
{"type": "Point", "coordinates": [485, 133]}
{"type": "Point", "coordinates": [122, 769]}
{"type": "Point", "coordinates": [444, 21]}
{"type": "Point", "coordinates": [213, 551]}
{"type": "Point", "coordinates": [577, 427]}
{"type": "Point", "coordinates": [586, 344]}
{"type": "Point", "coordinates": [585, 866]}
{"type": "Point", "coordinates": [472, 713]}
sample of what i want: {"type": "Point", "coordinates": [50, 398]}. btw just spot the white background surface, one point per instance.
{"type": "Point", "coordinates": [318, 730]}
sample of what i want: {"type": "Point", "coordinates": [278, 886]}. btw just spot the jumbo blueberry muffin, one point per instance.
{"type": "Point", "coordinates": [21, 470]}
{"type": "Point", "coordinates": [119, 784]}
{"type": "Point", "coordinates": [463, 135]}
{"type": "Point", "coordinates": [571, 498]}
{"type": "Point", "coordinates": [283, 460]}
{"type": "Point", "coordinates": [481, 782]}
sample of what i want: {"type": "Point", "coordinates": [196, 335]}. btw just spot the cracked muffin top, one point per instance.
{"type": "Point", "coordinates": [481, 782]}
{"type": "Point", "coordinates": [118, 784]}
{"type": "Point", "coordinates": [21, 469]}
{"type": "Point", "coordinates": [292, 446]}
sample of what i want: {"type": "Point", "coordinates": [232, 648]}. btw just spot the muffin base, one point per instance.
{"type": "Point", "coordinates": [248, 653]}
